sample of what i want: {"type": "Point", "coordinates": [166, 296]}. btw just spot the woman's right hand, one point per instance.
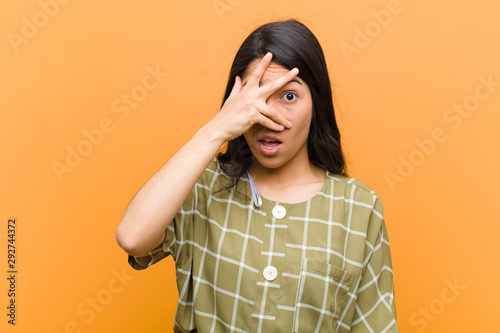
{"type": "Point", "coordinates": [155, 205]}
{"type": "Point", "coordinates": [246, 105]}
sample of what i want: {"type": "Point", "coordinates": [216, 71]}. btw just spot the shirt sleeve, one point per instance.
{"type": "Point", "coordinates": [375, 310]}
{"type": "Point", "coordinates": [180, 231]}
{"type": "Point", "coordinates": [143, 262]}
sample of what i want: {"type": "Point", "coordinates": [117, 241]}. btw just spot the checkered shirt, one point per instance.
{"type": "Point", "coordinates": [331, 255]}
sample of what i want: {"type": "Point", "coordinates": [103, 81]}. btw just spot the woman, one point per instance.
{"type": "Point", "coordinates": [271, 235]}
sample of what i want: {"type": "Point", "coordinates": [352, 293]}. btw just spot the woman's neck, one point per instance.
{"type": "Point", "coordinates": [288, 183]}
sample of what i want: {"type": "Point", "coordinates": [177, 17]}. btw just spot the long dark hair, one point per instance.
{"type": "Point", "coordinates": [292, 45]}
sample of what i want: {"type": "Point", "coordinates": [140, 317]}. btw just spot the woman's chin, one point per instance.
{"type": "Point", "coordinates": [268, 162]}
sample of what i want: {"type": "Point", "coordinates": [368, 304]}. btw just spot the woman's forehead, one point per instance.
{"type": "Point", "coordinates": [273, 71]}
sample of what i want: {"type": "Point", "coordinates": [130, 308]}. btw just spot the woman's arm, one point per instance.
{"type": "Point", "coordinates": [375, 309]}
{"type": "Point", "coordinates": [154, 206]}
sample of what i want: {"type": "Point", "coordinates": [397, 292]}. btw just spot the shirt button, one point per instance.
{"type": "Point", "coordinates": [270, 273]}
{"type": "Point", "coordinates": [279, 212]}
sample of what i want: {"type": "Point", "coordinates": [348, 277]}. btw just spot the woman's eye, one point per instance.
{"type": "Point", "coordinates": [290, 96]}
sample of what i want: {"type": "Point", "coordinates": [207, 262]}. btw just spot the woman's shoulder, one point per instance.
{"type": "Point", "coordinates": [357, 187]}
{"type": "Point", "coordinates": [350, 181]}
{"type": "Point", "coordinates": [211, 170]}
{"type": "Point", "coordinates": [362, 202]}
{"type": "Point", "coordinates": [214, 173]}
{"type": "Point", "coordinates": [214, 168]}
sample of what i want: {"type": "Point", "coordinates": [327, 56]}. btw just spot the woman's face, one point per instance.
{"type": "Point", "coordinates": [274, 149]}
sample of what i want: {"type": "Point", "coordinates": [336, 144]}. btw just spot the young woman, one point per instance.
{"type": "Point", "coordinates": [271, 235]}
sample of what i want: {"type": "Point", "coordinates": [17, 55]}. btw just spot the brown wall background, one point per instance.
{"type": "Point", "coordinates": [417, 87]}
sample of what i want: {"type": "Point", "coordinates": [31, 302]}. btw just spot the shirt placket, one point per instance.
{"type": "Point", "coordinates": [271, 266]}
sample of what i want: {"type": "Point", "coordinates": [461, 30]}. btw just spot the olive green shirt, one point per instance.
{"type": "Point", "coordinates": [323, 265]}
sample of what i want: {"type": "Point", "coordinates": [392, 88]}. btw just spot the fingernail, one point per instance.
{"type": "Point", "coordinates": [282, 127]}
{"type": "Point", "coordinates": [289, 124]}
{"type": "Point", "coordinates": [268, 55]}
{"type": "Point", "coordinates": [294, 71]}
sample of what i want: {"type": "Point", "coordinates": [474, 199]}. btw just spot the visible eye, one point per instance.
{"type": "Point", "coordinates": [289, 96]}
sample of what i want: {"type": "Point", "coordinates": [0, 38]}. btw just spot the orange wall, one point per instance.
{"type": "Point", "coordinates": [418, 117]}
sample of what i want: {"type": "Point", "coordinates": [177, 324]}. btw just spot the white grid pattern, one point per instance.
{"type": "Point", "coordinates": [327, 251]}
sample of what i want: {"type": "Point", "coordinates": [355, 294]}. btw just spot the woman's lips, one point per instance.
{"type": "Point", "coordinates": [269, 147]}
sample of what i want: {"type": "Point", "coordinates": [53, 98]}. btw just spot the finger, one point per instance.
{"type": "Point", "coordinates": [269, 123]}
{"type": "Point", "coordinates": [278, 83]}
{"type": "Point", "coordinates": [236, 87]}
{"type": "Point", "coordinates": [260, 70]}
{"type": "Point", "coordinates": [274, 116]}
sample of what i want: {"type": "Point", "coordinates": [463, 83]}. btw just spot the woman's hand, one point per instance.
{"type": "Point", "coordinates": [246, 105]}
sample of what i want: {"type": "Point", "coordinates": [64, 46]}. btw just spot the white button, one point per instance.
{"type": "Point", "coordinates": [279, 212]}
{"type": "Point", "coordinates": [270, 273]}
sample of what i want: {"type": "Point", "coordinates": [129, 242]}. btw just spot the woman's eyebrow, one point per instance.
{"type": "Point", "coordinates": [292, 80]}
{"type": "Point", "coordinates": [295, 80]}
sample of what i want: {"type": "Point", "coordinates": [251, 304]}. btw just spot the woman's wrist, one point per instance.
{"type": "Point", "coordinates": [210, 134]}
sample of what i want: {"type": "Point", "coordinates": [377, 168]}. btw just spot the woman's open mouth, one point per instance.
{"type": "Point", "coordinates": [269, 147]}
